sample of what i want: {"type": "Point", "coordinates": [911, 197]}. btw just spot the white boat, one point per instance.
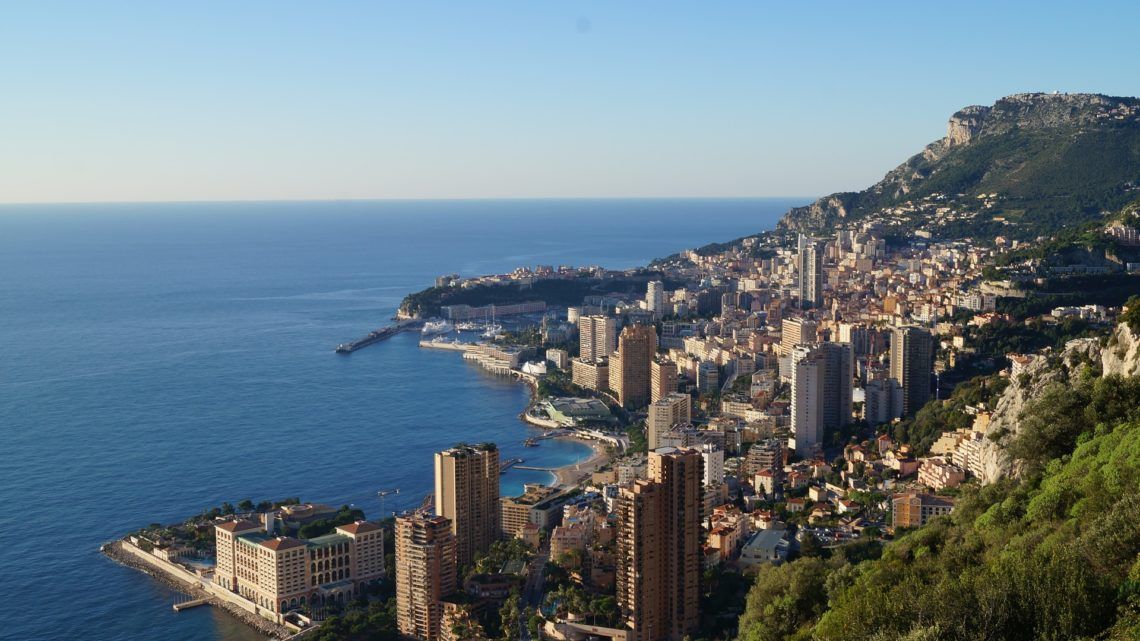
{"type": "Point", "coordinates": [437, 327]}
{"type": "Point", "coordinates": [468, 326]}
{"type": "Point", "coordinates": [492, 331]}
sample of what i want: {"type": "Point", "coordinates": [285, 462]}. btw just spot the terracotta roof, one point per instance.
{"type": "Point", "coordinates": [282, 543]}
{"type": "Point", "coordinates": [233, 526]}
{"type": "Point", "coordinates": [358, 527]}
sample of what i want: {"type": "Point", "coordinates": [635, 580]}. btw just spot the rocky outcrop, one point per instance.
{"type": "Point", "coordinates": [965, 124]}
{"type": "Point", "coordinates": [1042, 371]}
{"type": "Point", "coordinates": [1119, 356]}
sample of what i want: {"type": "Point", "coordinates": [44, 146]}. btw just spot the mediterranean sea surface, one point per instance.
{"type": "Point", "coordinates": [158, 359]}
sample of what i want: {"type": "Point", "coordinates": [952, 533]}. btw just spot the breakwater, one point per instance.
{"type": "Point", "coordinates": [378, 335]}
{"type": "Point", "coordinates": [186, 582]}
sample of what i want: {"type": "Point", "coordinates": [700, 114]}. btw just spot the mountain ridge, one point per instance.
{"type": "Point", "coordinates": [1054, 159]}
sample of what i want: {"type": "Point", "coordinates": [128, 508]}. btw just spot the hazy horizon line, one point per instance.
{"type": "Point", "coordinates": [224, 201]}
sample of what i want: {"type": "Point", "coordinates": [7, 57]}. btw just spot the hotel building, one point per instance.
{"type": "Point", "coordinates": [283, 573]}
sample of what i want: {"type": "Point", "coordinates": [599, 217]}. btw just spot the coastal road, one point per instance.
{"type": "Point", "coordinates": [536, 576]}
{"type": "Point", "coordinates": [535, 581]}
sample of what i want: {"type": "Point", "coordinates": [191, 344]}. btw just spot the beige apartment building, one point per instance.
{"type": "Point", "coordinates": [665, 414]}
{"type": "Point", "coordinates": [629, 365]}
{"type": "Point", "coordinates": [283, 573]}
{"type": "Point", "coordinates": [467, 494]}
{"type": "Point", "coordinates": [593, 375]}
{"type": "Point", "coordinates": [913, 509]}
{"type": "Point", "coordinates": [425, 573]}
{"type": "Point", "coordinates": [517, 511]}
{"type": "Point", "coordinates": [796, 331]}
{"type": "Point", "coordinates": [659, 547]}
{"type": "Point", "coordinates": [662, 379]}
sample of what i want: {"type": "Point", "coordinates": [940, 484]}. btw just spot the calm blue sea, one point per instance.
{"type": "Point", "coordinates": [158, 359]}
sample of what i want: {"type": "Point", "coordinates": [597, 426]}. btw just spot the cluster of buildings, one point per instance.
{"type": "Point", "coordinates": [742, 375]}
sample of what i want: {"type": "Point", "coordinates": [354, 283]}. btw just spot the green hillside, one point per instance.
{"type": "Point", "coordinates": [1055, 556]}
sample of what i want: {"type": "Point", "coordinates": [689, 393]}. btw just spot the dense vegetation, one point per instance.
{"type": "Point", "coordinates": [1131, 316]}
{"type": "Point", "coordinates": [1052, 556]}
{"type": "Point", "coordinates": [999, 338]}
{"type": "Point", "coordinates": [375, 622]}
{"type": "Point", "coordinates": [320, 527]}
{"type": "Point", "coordinates": [1110, 289]}
{"type": "Point", "coordinates": [558, 292]}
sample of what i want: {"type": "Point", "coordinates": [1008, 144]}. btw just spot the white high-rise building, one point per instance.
{"type": "Point", "coordinates": [811, 273]}
{"type": "Point", "coordinates": [655, 298]}
{"type": "Point", "coordinates": [597, 337]}
{"type": "Point", "coordinates": [796, 331]}
{"type": "Point", "coordinates": [714, 463]}
{"type": "Point", "coordinates": [821, 392]}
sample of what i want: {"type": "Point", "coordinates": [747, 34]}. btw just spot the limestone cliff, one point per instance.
{"type": "Point", "coordinates": [1120, 356]}
{"type": "Point", "coordinates": [1122, 353]}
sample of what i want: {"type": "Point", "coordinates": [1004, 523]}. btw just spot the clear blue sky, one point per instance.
{"type": "Point", "coordinates": [121, 101]}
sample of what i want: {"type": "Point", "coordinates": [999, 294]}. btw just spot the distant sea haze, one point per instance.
{"type": "Point", "coordinates": [157, 360]}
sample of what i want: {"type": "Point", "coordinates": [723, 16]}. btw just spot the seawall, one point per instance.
{"type": "Point", "coordinates": [181, 579]}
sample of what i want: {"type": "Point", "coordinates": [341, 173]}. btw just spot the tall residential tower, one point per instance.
{"type": "Point", "coordinates": [597, 336]}
{"type": "Point", "coordinates": [629, 365]}
{"type": "Point", "coordinates": [659, 547]}
{"type": "Point", "coordinates": [912, 353]}
{"type": "Point", "coordinates": [811, 273]}
{"type": "Point", "coordinates": [425, 573]}
{"type": "Point", "coordinates": [467, 493]}
{"type": "Point", "coordinates": [821, 392]}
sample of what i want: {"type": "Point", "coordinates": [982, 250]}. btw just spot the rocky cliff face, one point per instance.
{"type": "Point", "coordinates": [1027, 112]}
{"type": "Point", "coordinates": [1120, 356]}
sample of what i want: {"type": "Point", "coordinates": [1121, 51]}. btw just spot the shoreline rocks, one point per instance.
{"type": "Point", "coordinates": [115, 552]}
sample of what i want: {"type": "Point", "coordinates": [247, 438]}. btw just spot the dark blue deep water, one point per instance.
{"type": "Point", "coordinates": [156, 360]}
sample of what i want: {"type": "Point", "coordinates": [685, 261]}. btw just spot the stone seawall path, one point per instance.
{"type": "Point", "coordinates": [187, 583]}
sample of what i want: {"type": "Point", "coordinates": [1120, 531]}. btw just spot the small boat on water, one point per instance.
{"type": "Point", "coordinates": [531, 442]}
{"type": "Point", "coordinates": [437, 327]}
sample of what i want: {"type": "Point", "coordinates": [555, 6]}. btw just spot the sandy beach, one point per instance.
{"type": "Point", "coordinates": [571, 475]}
